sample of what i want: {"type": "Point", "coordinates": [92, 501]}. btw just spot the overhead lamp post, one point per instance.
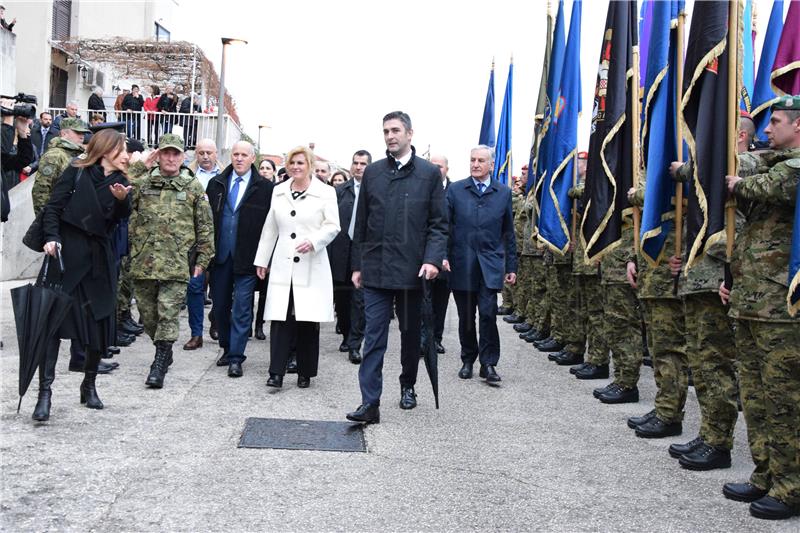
{"type": "Point", "coordinates": [221, 102]}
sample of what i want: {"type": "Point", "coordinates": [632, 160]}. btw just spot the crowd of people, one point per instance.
{"type": "Point", "coordinates": [358, 248]}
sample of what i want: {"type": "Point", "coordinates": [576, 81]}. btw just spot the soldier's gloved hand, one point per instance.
{"type": "Point", "coordinates": [674, 168]}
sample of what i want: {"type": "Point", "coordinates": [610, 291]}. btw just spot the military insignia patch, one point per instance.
{"type": "Point", "coordinates": [47, 170]}
{"type": "Point", "coordinates": [793, 163]}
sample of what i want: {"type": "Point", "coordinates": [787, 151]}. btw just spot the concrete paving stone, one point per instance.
{"type": "Point", "coordinates": [537, 453]}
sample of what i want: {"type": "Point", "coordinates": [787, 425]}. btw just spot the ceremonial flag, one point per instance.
{"type": "Point", "coordinates": [645, 29]}
{"type": "Point", "coordinates": [705, 114]}
{"type": "Point", "coordinates": [502, 164]}
{"type": "Point", "coordinates": [748, 58]}
{"type": "Point", "coordinates": [487, 124]}
{"type": "Point", "coordinates": [556, 206]}
{"type": "Point", "coordinates": [786, 69]}
{"type": "Point", "coordinates": [609, 172]}
{"type": "Point", "coordinates": [763, 95]}
{"type": "Point", "coordinates": [660, 128]}
{"type": "Point", "coordinates": [793, 298]}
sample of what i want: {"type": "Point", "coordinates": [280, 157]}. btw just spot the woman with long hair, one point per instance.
{"type": "Point", "coordinates": [86, 204]}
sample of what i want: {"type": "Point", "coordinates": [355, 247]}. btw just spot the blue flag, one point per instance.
{"type": "Point", "coordinates": [556, 206]}
{"type": "Point", "coordinates": [793, 298]}
{"type": "Point", "coordinates": [487, 124]}
{"type": "Point", "coordinates": [659, 129]}
{"type": "Point", "coordinates": [748, 59]}
{"type": "Point", "coordinates": [763, 95]}
{"type": "Point", "coordinates": [502, 164]}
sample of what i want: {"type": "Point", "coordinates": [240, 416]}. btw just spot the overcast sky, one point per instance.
{"type": "Point", "coordinates": [326, 72]}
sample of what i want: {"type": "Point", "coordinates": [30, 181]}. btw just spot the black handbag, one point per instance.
{"type": "Point", "coordinates": [34, 237]}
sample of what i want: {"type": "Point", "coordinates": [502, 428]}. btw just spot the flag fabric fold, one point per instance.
{"type": "Point", "coordinates": [763, 95]}
{"type": "Point", "coordinates": [748, 59]}
{"type": "Point", "coordinates": [502, 164]}
{"type": "Point", "coordinates": [609, 172]}
{"type": "Point", "coordinates": [786, 68]}
{"type": "Point", "coordinates": [793, 297]}
{"type": "Point", "coordinates": [487, 123]}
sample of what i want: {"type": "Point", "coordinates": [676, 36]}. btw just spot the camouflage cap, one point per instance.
{"type": "Point", "coordinates": [787, 103]}
{"type": "Point", "coordinates": [74, 124]}
{"type": "Point", "coordinates": [170, 140]}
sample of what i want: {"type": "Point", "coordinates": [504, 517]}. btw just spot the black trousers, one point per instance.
{"type": "Point", "coordinates": [284, 334]}
{"type": "Point", "coordinates": [440, 297]}
{"type": "Point", "coordinates": [261, 289]}
{"type": "Point", "coordinates": [484, 300]}
{"type": "Point", "coordinates": [342, 293]}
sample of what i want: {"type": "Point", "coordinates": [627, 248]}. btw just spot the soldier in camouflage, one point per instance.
{"type": "Point", "coordinates": [171, 217]}
{"type": "Point", "coordinates": [61, 150]}
{"type": "Point", "coordinates": [522, 227]}
{"type": "Point", "coordinates": [767, 337]}
{"type": "Point", "coordinates": [511, 293]}
{"type": "Point", "coordinates": [537, 312]}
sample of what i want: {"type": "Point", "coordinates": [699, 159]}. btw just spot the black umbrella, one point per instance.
{"type": "Point", "coordinates": [429, 354]}
{"type": "Point", "coordinates": [39, 310]}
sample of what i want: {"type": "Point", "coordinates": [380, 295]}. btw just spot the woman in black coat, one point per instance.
{"type": "Point", "coordinates": [86, 204]}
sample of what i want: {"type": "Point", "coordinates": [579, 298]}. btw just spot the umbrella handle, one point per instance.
{"type": "Point", "coordinates": [60, 259]}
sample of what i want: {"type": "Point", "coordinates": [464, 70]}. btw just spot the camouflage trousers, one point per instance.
{"type": "Point", "coordinates": [623, 332]}
{"type": "Point", "coordinates": [508, 296]}
{"type": "Point", "coordinates": [711, 351]}
{"type": "Point", "coordinates": [523, 285]}
{"type": "Point", "coordinates": [769, 380]}
{"type": "Point", "coordinates": [538, 310]}
{"type": "Point", "coordinates": [666, 340]}
{"type": "Point", "coordinates": [590, 314]}
{"type": "Point", "coordinates": [563, 302]}
{"type": "Point", "coordinates": [125, 287]}
{"type": "Point", "coordinates": [159, 303]}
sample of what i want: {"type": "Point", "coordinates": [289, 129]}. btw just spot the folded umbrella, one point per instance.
{"type": "Point", "coordinates": [429, 354]}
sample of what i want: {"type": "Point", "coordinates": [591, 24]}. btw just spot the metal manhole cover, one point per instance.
{"type": "Point", "coordinates": [320, 435]}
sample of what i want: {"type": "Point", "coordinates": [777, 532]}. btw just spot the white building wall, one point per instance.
{"type": "Point", "coordinates": [33, 29]}
{"type": "Point", "coordinates": [134, 20]}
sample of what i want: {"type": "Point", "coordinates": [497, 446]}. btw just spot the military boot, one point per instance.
{"type": "Point", "coordinates": [47, 374]}
{"type": "Point", "coordinates": [155, 379]}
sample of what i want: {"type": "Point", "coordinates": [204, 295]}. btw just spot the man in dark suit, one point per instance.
{"type": "Point", "coordinates": [482, 254]}
{"type": "Point", "coordinates": [400, 235]}
{"type": "Point", "coordinates": [347, 300]}
{"type": "Point", "coordinates": [239, 200]}
{"type": "Point", "coordinates": [41, 134]}
{"type": "Point", "coordinates": [440, 287]}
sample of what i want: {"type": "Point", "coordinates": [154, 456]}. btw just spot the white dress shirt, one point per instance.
{"type": "Point", "coordinates": [242, 186]}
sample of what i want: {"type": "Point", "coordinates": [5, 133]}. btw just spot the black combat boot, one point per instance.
{"type": "Point", "coordinates": [88, 391]}
{"type": "Point", "coordinates": [155, 379]}
{"type": "Point", "coordinates": [47, 374]}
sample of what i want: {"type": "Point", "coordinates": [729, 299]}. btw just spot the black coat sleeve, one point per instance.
{"type": "Point", "coordinates": [22, 158]}
{"type": "Point", "coordinates": [436, 235]}
{"type": "Point", "coordinates": [59, 198]}
{"type": "Point", "coordinates": [360, 226]}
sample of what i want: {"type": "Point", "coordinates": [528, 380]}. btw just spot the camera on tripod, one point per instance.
{"type": "Point", "coordinates": [25, 106]}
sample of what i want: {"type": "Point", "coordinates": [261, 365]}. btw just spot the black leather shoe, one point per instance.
{"type": "Point", "coordinates": [102, 367]}
{"type": "Point", "coordinates": [503, 311]}
{"type": "Point", "coordinates": [770, 508]}
{"type": "Point", "coordinates": [260, 332]}
{"type": "Point", "coordinates": [303, 382]}
{"type": "Point", "coordinates": [130, 328]}
{"type": "Point", "coordinates": [291, 366]}
{"type": "Point", "coordinates": [525, 334]}
{"type": "Point", "coordinates": [523, 327]}
{"type": "Point", "coordinates": [212, 332]}
{"type": "Point", "coordinates": [354, 357]}
{"type": "Point", "coordinates": [575, 368]}
{"type": "Point", "coordinates": [706, 457]}
{"type": "Point", "coordinates": [113, 350]}
{"type": "Point", "coordinates": [275, 380]}
{"type": "Point", "coordinates": [466, 371]}
{"type": "Point", "coordinates": [635, 421]}
{"type": "Point", "coordinates": [743, 492]}
{"type": "Point", "coordinates": [602, 390]}
{"type": "Point", "coordinates": [124, 339]}
{"type": "Point", "coordinates": [591, 371]}
{"type": "Point", "coordinates": [647, 360]}
{"type": "Point", "coordinates": [621, 395]}
{"type": "Point", "coordinates": [235, 369]}
{"type": "Point", "coordinates": [549, 346]}
{"type": "Point", "coordinates": [539, 336]}
{"type": "Point", "coordinates": [489, 374]}
{"type": "Point", "coordinates": [676, 450]}
{"type": "Point", "coordinates": [514, 319]}
{"type": "Point", "coordinates": [439, 348]}
{"type": "Point", "coordinates": [223, 359]}
{"type": "Point", "coordinates": [569, 358]}
{"type": "Point", "coordinates": [658, 429]}
{"type": "Point", "coordinates": [553, 356]}
{"type": "Point", "coordinates": [366, 414]}
{"type": "Point", "coordinates": [408, 399]}
{"type": "Point", "coordinates": [344, 348]}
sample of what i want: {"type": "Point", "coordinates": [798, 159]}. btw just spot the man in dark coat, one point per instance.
{"type": "Point", "coordinates": [133, 104]}
{"type": "Point", "coordinates": [482, 254]}
{"type": "Point", "coordinates": [240, 201]}
{"type": "Point", "coordinates": [440, 287]}
{"type": "Point", "coordinates": [96, 103]}
{"type": "Point", "coordinates": [400, 235]}
{"type": "Point", "coordinates": [347, 300]}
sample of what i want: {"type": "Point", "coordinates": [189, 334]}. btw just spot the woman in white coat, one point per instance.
{"type": "Point", "coordinates": [303, 219]}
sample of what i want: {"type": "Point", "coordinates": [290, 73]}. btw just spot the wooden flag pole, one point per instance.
{"type": "Point", "coordinates": [635, 119]}
{"type": "Point", "coordinates": [679, 137]}
{"type": "Point", "coordinates": [733, 118]}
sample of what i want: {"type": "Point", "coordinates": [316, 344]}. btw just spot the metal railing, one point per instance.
{"type": "Point", "coordinates": [148, 127]}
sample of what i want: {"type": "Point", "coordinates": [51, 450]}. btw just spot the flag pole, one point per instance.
{"type": "Point", "coordinates": [733, 112]}
{"type": "Point", "coordinates": [574, 200]}
{"type": "Point", "coordinates": [637, 215]}
{"type": "Point", "coordinates": [679, 186]}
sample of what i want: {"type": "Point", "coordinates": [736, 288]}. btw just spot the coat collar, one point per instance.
{"type": "Point", "coordinates": [392, 162]}
{"type": "Point", "coordinates": [469, 183]}
{"type": "Point", "coordinates": [315, 188]}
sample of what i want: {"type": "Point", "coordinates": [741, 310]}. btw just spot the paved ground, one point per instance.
{"type": "Point", "coordinates": [537, 453]}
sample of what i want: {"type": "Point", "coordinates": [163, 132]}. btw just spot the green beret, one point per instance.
{"type": "Point", "coordinates": [787, 103]}
{"type": "Point", "coordinates": [170, 140]}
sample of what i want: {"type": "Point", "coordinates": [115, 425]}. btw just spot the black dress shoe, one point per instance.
{"type": "Point", "coordinates": [514, 319]}
{"type": "Point", "coordinates": [235, 369]}
{"type": "Point", "coordinates": [366, 414]}
{"type": "Point", "coordinates": [569, 358]}
{"type": "Point", "coordinates": [524, 327]}
{"type": "Point", "coordinates": [635, 421]}
{"type": "Point", "coordinates": [621, 395]}
{"type": "Point", "coordinates": [291, 366]}
{"type": "Point", "coordinates": [706, 457]}
{"type": "Point", "coordinates": [223, 359]}
{"type": "Point", "coordinates": [213, 333]}
{"type": "Point", "coordinates": [275, 380]}
{"type": "Point", "coordinates": [676, 450]}
{"type": "Point", "coordinates": [539, 336]}
{"type": "Point", "coordinates": [504, 310]}
{"type": "Point", "coordinates": [743, 492]}
{"type": "Point", "coordinates": [770, 508]}
{"type": "Point", "coordinates": [466, 371]}
{"type": "Point", "coordinates": [408, 399]}
{"type": "Point", "coordinates": [439, 348]}
{"type": "Point", "coordinates": [354, 357]}
{"type": "Point", "coordinates": [602, 390]}
{"type": "Point", "coordinates": [575, 368]}
{"type": "Point", "coordinates": [344, 348]}
{"type": "Point", "coordinates": [551, 345]}
{"type": "Point", "coordinates": [591, 371]}
{"type": "Point", "coordinates": [658, 429]}
{"type": "Point", "coordinates": [525, 334]}
{"type": "Point", "coordinates": [489, 374]}
{"type": "Point", "coordinates": [113, 350]}
{"type": "Point", "coordinates": [303, 382]}
{"type": "Point", "coordinates": [260, 332]}
{"type": "Point", "coordinates": [553, 356]}
{"type": "Point", "coordinates": [124, 339]}
{"type": "Point", "coordinates": [647, 360]}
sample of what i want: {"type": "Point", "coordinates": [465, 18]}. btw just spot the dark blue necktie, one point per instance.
{"type": "Point", "coordinates": [481, 187]}
{"type": "Point", "coordinates": [234, 194]}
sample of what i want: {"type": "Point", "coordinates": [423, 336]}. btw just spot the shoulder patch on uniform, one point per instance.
{"type": "Point", "coordinates": [47, 170]}
{"type": "Point", "coordinates": [793, 163]}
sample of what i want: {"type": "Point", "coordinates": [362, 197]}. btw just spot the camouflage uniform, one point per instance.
{"type": "Point", "coordinates": [511, 296]}
{"type": "Point", "coordinates": [170, 215]}
{"type": "Point", "coordinates": [125, 286]}
{"type": "Point", "coordinates": [53, 163]}
{"type": "Point", "coordinates": [564, 327]}
{"type": "Point", "coordinates": [621, 312]}
{"type": "Point", "coordinates": [767, 338]}
{"type": "Point", "coordinates": [666, 331]}
{"type": "Point", "coordinates": [522, 229]}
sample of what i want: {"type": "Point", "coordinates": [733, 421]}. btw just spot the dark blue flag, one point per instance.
{"type": "Point", "coordinates": [556, 206]}
{"type": "Point", "coordinates": [763, 95]}
{"type": "Point", "coordinates": [660, 127]}
{"type": "Point", "coordinates": [502, 164]}
{"type": "Point", "coordinates": [793, 298]}
{"type": "Point", "coordinates": [748, 59]}
{"type": "Point", "coordinates": [487, 124]}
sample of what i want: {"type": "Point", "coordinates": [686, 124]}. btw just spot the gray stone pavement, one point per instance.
{"type": "Point", "coordinates": [536, 453]}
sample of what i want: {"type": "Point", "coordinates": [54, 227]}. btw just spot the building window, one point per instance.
{"type": "Point", "coordinates": [162, 34]}
{"type": "Point", "coordinates": [62, 13]}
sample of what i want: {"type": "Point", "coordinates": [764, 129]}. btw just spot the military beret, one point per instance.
{"type": "Point", "coordinates": [74, 124]}
{"type": "Point", "coordinates": [787, 103]}
{"type": "Point", "coordinates": [170, 140]}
